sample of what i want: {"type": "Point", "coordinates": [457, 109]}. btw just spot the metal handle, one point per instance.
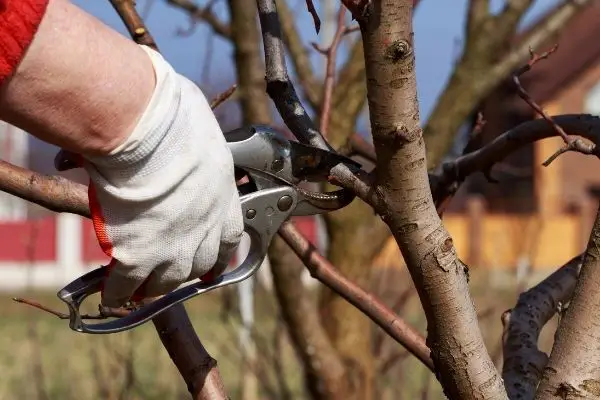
{"type": "Point", "coordinates": [264, 212]}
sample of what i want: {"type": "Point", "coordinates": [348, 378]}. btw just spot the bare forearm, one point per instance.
{"type": "Point", "coordinates": [80, 85]}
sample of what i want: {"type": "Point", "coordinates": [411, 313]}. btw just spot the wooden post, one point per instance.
{"type": "Point", "coordinates": [475, 214]}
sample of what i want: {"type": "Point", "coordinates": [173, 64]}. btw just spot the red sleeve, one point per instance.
{"type": "Point", "coordinates": [19, 21]}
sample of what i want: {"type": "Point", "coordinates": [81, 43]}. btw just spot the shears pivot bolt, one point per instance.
{"type": "Point", "coordinates": [284, 203]}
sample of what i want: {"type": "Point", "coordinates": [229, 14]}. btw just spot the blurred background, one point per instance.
{"type": "Point", "coordinates": [266, 332]}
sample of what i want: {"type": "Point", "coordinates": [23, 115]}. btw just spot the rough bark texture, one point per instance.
{"type": "Point", "coordinates": [573, 371]}
{"type": "Point", "coordinates": [459, 354]}
{"type": "Point", "coordinates": [523, 361]}
{"type": "Point", "coordinates": [197, 367]}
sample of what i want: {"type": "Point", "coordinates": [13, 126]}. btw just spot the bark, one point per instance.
{"type": "Point", "coordinates": [386, 318]}
{"type": "Point", "coordinates": [254, 105]}
{"type": "Point", "coordinates": [348, 329]}
{"type": "Point", "coordinates": [248, 61]}
{"type": "Point", "coordinates": [523, 361]}
{"type": "Point", "coordinates": [196, 366]}
{"type": "Point", "coordinates": [462, 363]}
{"type": "Point", "coordinates": [324, 373]}
{"type": "Point", "coordinates": [573, 371]}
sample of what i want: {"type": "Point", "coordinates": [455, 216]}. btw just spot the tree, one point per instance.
{"type": "Point", "coordinates": [401, 197]}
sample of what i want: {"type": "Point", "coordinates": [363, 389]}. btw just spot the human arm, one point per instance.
{"type": "Point", "coordinates": [79, 85]}
{"type": "Point", "coordinates": [162, 191]}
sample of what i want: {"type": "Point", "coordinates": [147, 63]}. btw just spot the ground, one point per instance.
{"type": "Point", "coordinates": [42, 358]}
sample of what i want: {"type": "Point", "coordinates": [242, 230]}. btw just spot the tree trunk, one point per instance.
{"type": "Point", "coordinates": [405, 203]}
{"type": "Point", "coordinates": [255, 110]}
{"type": "Point", "coordinates": [349, 330]}
{"type": "Point", "coordinates": [324, 373]}
{"type": "Point", "coordinates": [573, 371]}
{"type": "Point", "coordinates": [248, 61]}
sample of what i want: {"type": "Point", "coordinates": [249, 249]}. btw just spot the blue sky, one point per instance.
{"type": "Point", "coordinates": [438, 28]}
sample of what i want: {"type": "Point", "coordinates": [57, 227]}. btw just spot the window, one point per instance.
{"type": "Point", "coordinates": [592, 101]}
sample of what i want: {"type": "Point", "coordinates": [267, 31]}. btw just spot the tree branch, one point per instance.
{"type": "Point", "coordinates": [203, 14]}
{"type": "Point", "coordinates": [572, 370]}
{"type": "Point", "coordinates": [483, 159]}
{"type": "Point", "coordinates": [478, 13]}
{"type": "Point", "coordinates": [299, 56]}
{"type": "Point", "coordinates": [462, 363]}
{"type": "Point", "coordinates": [331, 54]}
{"type": "Point", "coordinates": [385, 318]}
{"type": "Point", "coordinates": [282, 92]}
{"type": "Point", "coordinates": [486, 61]}
{"type": "Point", "coordinates": [133, 22]}
{"type": "Point", "coordinates": [523, 361]}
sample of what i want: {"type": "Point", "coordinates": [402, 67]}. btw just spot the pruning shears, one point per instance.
{"type": "Point", "coordinates": [274, 167]}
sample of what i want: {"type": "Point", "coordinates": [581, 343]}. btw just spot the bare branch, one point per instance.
{"type": "Point", "coordinates": [198, 369]}
{"type": "Point", "coordinates": [282, 92]}
{"type": "Point", "coordinates": [487, 60]}
{"type": "Point", "coordinates": [462, 363]}
{"type": "Point", "coordinates": [223, 97]}
{"type": "Point", "coordinates": [331, 53]}
{"type": "Point", "coordinates": [203, 14]}
{"type": "Point", "coordinates": [483, 159]}
{"type": "Point", "coordinates": [313, 12]}
{"type": "Point", "coordinates": [53, 192]}
{"type": "Point", "coordinates": [299, 56]}
{"type": "Point", "coordinates": [523, 361]}
{"type": "Point", "coordinates": [478, 13]}
{"type": "Point", "coordinates": [572, 370]}
{"type": "Point", "coordinates": [570, 143]}
{"type": "Point", "coordinates": [384, 317]}
{"type": "Point", "coordinates": [133, 22]}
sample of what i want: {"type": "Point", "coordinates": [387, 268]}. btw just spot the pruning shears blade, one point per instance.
{"type": "Point", "coordinates": [314, 164]}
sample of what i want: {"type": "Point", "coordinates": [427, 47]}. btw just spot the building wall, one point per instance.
{"type": "Point", "coordinates": [501, 241]}
{"type": "Point", "coordinates": [577, 171]}
{"type": "Point", "coordinates": [13, 149]}
{"type": "Point", "coordinates": [49, 252]}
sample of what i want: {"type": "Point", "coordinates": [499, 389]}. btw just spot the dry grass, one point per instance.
{"type": "Point", "coordinates": [42, 359]}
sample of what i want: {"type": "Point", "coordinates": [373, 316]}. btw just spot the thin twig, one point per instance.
{"type": "Point", "coordinates": [570, 143]}
{"type": "Point", "coordinates": [203, 14]}
{"type": "Point", "coordinates": [134, 23]}
{"type": "Point", "coordinates": [103, 312]}
{"type": "Point", "coordinates": [221, 98]}
{"type": "Point", "coordinates": [321, 269]}
{"type": "Point", "coordinates": [330, 72]}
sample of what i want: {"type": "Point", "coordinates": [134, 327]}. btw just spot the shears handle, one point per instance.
{"type": "Point", "coordinates": [264, 212]}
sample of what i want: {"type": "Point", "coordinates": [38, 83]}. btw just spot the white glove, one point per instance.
{"type": "Point", "coordinates": [164, 203]}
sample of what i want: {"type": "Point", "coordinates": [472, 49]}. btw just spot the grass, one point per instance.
{"type": "Point", "coordinates": [42, 358]}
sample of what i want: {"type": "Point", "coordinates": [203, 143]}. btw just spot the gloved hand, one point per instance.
{"type": "Point", "coordinates": [164, 203]}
